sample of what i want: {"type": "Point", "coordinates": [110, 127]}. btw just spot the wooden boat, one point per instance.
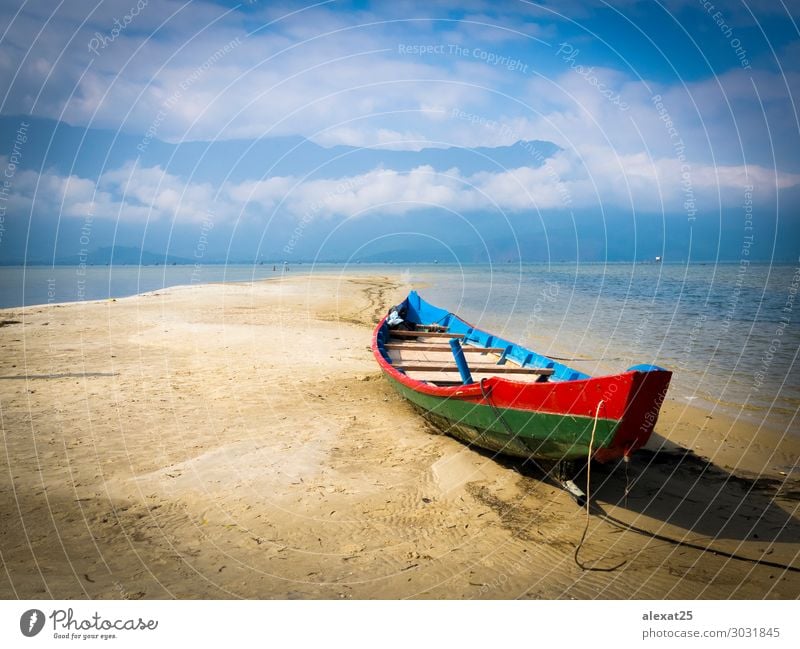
{"type": "Point", "coordinates": [498, 395]}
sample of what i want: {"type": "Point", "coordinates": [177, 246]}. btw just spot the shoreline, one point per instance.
{"type": "Point", "coordinates": [310, 262]}
{"type": "Point", "coordinates": [723, 410]}
{"type": "Point", "coordinates": [773, 433]}
{"type": "Point", "coordinates": [237, 440]}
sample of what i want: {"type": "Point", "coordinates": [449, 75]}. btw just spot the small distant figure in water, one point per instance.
{"type": "Point", "coordinates": [286, 267]}
{"type": "Point", "coordinates": [658, 260]}
{"type": "Point", "coordinates": [274, 267]}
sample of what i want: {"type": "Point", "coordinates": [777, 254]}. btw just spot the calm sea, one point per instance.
{"type": "Point", "coordinates": [730, 333]}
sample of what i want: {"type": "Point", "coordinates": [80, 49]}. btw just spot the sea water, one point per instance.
{"type": "Point", "coordinates": [729, 332]}
{"type": "Point", "coordinates": [53, 284]}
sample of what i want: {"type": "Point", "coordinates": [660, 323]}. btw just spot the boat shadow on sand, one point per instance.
{"type": "Point", "coordinates": [675, 486]}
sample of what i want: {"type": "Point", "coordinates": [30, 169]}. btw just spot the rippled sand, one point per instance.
{"type": "Point", "coordinates": [238, 441]}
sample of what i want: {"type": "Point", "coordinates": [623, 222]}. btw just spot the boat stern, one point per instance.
{"type": "Point", "coordinates": [648, 388]}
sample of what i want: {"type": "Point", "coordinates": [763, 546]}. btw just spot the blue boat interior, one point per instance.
{"type": "Point", "coordinates": [421, 312]}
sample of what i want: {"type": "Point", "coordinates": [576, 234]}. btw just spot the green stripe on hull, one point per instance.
{"type": "Point", "coordinates": [536, 434]}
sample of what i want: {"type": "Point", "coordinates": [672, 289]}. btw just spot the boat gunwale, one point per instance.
{"type": "Point", "coordinates": [475, 389]}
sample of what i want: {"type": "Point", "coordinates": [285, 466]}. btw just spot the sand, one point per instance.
{"type": "Point", "coordinates": [238, 441]}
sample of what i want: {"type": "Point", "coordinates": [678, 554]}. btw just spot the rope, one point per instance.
{"type": "Point", "coordinates": [627, 460]}
{"type": "Point", "coordinates": [695, 546]}
{"type": "Point", "coordinates": [500, 418]}
{"type": "Point", "coordinates": [589, 503]}
{"type": "Point", "coordinates": [615, 522]}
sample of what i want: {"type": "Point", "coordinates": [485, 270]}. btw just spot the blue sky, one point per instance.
{"type": "Point", "coordinates": [663, 112]}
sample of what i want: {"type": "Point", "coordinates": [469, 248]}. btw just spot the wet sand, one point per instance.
{"type": "Point", "coordinates": [224, 441]}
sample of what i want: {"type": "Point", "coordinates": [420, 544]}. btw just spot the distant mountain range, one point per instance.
{"type": "Point", "coordinates": [64, 150]}
{"type": "Point", "coordinates": [88, 152]}
{"type": "Point", "coordinates": [423, 235]}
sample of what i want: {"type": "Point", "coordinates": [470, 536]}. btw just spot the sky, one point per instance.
{"type": "Point", "coordinates": [674, 123]}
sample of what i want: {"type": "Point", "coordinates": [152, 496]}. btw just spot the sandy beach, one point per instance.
{"type": "Point", "coordinates": [238, 441]}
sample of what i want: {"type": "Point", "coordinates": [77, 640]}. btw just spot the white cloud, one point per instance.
{"type": "Point", "coordinates": [373, 137]}
{"type": "Point", "coordinates": [563, 182]}
{"type": "Point", "coordinates": [339, 78]}
{"type": "Point", "coordinates": [354, 87]}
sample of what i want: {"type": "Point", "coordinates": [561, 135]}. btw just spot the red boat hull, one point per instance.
{"type": "Point", "coordinates": [550, 420]}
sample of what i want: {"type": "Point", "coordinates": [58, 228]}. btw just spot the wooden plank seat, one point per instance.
{"type": "Point", "coordinates": [402, 333]}
{"type": "Point", "coordinates": [432, 347]}
{"type": "Point", "coordinates": [475, 369]}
